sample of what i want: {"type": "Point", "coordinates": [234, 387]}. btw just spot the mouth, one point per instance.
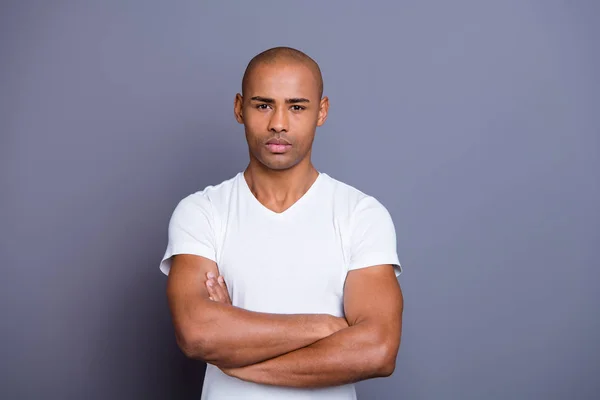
{"type": "Point", "coordinates": [278, 146]}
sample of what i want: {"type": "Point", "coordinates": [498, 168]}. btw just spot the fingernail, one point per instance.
{"type": "Point", "coordinates": [209, 283]}
{"type": "Point", "coordinates": [211, 275]}
{"type": "Point", "coordinates": [221, 279]}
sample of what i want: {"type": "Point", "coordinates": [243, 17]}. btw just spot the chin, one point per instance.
{"type": "Point", "coordinates": [277, 162]}
{"type": "Point", "coordinates": [278, 165]}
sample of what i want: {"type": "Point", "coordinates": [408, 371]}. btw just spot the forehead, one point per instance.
{"type": "Point", "coordinates": [283, 79]}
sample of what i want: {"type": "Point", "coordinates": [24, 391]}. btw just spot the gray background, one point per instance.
{"type": "Point", "coordinates": [474, 122]}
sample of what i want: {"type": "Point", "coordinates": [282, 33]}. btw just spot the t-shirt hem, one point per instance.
{"type": "Point", "coordinates": [378, 259]}
{"type": "Point", "coordinates": [185, 248]}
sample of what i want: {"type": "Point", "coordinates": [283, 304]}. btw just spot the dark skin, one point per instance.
{"type": "Point", "coordinates": [227, 336]}
{"type": "Point", "coordinates": [373, 305]}
{"type": "Point", "coordinates": [281, 100]}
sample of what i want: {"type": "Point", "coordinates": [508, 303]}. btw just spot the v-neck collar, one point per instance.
{"type": "Point", "coordinates": [291, 209]}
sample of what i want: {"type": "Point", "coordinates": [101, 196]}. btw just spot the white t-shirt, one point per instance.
{"type": "Point", "coordinates": [290, 262]}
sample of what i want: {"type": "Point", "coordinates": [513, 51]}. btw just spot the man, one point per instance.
{"type": "Point", "coordinates": [283, 279]}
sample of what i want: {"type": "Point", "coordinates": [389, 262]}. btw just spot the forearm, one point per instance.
{"type": "Point", "coordinates": [229, 336]}
{"type": "Point", "coordinates": [347, 356]}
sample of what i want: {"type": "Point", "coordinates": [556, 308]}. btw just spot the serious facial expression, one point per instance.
{"type": "Point", "coordinates": [281, 110]}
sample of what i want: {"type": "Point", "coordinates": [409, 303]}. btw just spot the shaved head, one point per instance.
{"type": "Point", "coordinates": [281, 106]}
{"type": "Point", "coordinates": [286, 56]}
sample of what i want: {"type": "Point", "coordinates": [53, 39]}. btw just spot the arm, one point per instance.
{"type": "Point", "coordinates": [228, 336]}
{"type": "Point", "coordinates": [368, 348]}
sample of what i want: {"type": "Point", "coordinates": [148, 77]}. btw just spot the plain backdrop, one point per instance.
{"type": "Point", "coordinates": [474, 122]}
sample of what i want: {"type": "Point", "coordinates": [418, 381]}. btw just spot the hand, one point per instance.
{"type": "Point", "coordinates": [217, 289]}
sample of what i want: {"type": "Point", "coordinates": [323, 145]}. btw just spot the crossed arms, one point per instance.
{"type": "Point", "coordinates": [296, 350]}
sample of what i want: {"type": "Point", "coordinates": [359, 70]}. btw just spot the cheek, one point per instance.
{"type": "Point", "coordinates": [254, 126]}
{"type": "Point", "coordinates": [304, 129]}
{"type": "Point", "coordinates": [305, 122]}
{"type": "Point", "coordinates": [254, 117]}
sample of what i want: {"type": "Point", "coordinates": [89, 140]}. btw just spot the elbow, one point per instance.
{"type": "Point", "coordinates": [386, 367]}
{"type": "Point", "coordinates": [379, 354]}
{"type": "Point", "coordinates": [193, 345]}
{"type": "Point", "coordinates": [384, 358]}
{"type": "Point", "coordinates": [202, 347]}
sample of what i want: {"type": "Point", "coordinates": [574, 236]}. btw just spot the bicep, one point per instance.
{"type": "Point", "coordinates": [373, 295]}
{"type": "Point", "coordinates": [186, 290]}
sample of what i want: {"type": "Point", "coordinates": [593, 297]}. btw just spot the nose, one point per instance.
{"type": "Point", "coordinates": [279, 121]}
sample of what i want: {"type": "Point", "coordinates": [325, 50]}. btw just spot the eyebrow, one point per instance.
{"type": "Point", "coordinates": [289, 101]}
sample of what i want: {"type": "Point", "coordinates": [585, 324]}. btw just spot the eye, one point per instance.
{"type": "Point", "coordinates": [262, 106]}
{"type": "Point", "coordinates": [297, 108]}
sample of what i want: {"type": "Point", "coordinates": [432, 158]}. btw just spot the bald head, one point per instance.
{"type": "Point", "coordinates": [286, 56]}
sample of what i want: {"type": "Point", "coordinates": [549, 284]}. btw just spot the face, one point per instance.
{"type": "Point", "coordinates": [281, 110]}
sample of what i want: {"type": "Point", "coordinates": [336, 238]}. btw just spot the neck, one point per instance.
{"type": "Point", "coordinates": [279, 189]}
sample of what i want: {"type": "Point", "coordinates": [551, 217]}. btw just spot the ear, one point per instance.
{"type": "Point", "coordinates": [238, 107]}
{"type": "Point", "coordinates": [323, 110]}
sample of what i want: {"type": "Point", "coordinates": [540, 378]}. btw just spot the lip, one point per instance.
{"type": "Point", "coordinates": [278, 141]}
{"type": "Point", "coordinates": [276, 148]}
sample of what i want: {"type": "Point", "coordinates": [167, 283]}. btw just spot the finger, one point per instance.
{"type": "Point", "coordinates": [223, 286]}
{"type": "Point", "coordinates": [213, 287]}
{"type": "Point", "coordinates": [222, 290]}
{"type": "Point", "coordinates": [210, 287]}
{"type": "Point", "coordinates": [219, 293]}
{"type": "Point", "coordinates": [216, 290]}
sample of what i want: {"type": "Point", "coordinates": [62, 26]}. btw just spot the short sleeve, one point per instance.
{"type": "Point", "coordinates": [373, 236]}
{"type": "Point", "coordinates": [191, 230]}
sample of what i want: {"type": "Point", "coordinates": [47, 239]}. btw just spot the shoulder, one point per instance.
{"type": "Point", "coordinates": [352, 201]}
{"type": "Point", "coordinates": [367, 227]}
{"type": "Point", "coordinates": [203, 201]}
